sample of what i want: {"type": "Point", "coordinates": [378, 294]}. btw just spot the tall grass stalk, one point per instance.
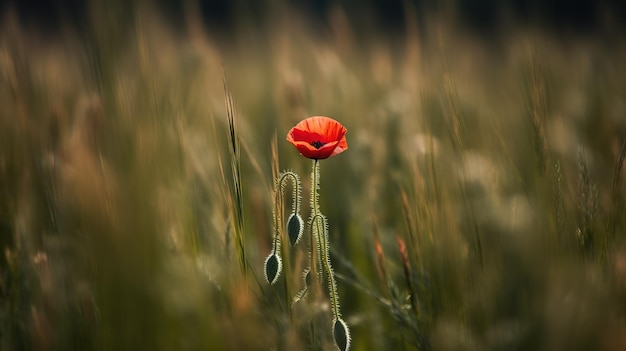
{"type": "Point", "coordinates": [236, 193]}
{"type": "Point", "coordinates": [133, 217]}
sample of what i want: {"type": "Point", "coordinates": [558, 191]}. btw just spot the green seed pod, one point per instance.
{"type": "Point", "coordinates": [341, 334]}
{"type": "Point", "coordinates": [273, 266]}
{"type": "Point", "coordinates": [295, 228]}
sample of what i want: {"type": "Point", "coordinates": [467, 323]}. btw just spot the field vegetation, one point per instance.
{"type": "Point", "coordinates": [480, 205]}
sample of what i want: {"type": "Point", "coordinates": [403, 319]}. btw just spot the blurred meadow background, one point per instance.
{"type": "Point", "coordinates": [480, 205]}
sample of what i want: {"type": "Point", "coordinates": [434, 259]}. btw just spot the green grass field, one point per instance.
{"type": "Point", "coordinates": [480, 205]}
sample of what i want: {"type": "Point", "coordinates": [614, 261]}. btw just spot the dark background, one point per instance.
{"type": "Point", "coordinates": [482, 16]}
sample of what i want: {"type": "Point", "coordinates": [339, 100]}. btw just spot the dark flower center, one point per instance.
{"type": "Point", "coordinates": [318, 144]}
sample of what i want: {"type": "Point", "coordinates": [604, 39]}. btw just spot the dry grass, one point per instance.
{"type": "Point", "coordinates": [480, 205]}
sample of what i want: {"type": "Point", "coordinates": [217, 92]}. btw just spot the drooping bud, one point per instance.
{"type": "Point", "coordinates": [295, 228]}
{"type": "Point", "coordinates": [273, 266]}
{"type": "Point", "coordinates": [341, 334]}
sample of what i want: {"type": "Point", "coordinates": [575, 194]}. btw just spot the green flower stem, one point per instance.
{"type": "Point", "coordinates": [321, 230]}
{"type": "Point", "coordinates": [278, 192]}
{"type": "Point", "coordinates": [279, 222]}
{"type": "Point", "coordinates": [296, 189]}
{"type": "Point", "coordinates": [315, 243]}
{"type": "Point", "coordinates": [320, 222]}
{"type": "Point", "coordinates": [315, 187]}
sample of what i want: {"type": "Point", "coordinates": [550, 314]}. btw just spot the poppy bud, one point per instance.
{"type": "Point", "coordinates": [341, 334]}
{"type": "Point", "coordinates": [295, 227]}
{"type": "Point", "coordinates": [273, 266]}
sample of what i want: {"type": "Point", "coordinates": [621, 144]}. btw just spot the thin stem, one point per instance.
{"type": "Point", "coordinates": [332, 286]}
{"type": "Point", "coordinates": [278, 209]}
{"type": "Point", "coordinates": [279, 225]}
{"type": "Point", "coordinates": [315, 210]}
{"type": "Point", "coordinates": [321, 230]}
{"type": "Point", "coordinates": [296, 189]}
{"type": "Point", "coordinates": [278, 204]}
{"type": "Point", "coordinates": [315, 187]}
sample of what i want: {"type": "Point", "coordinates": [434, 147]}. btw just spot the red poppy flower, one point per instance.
{"type": "Point", "coordinates": [318, 137]}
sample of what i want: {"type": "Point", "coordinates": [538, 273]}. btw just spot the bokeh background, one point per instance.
{"type": "Point", "coordinates": [480, 205]}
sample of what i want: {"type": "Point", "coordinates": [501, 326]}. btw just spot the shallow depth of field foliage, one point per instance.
{"type": "Point", "coordinates": [480, 205]}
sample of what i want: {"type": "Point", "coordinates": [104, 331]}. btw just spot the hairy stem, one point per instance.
{"type": "Point", "coordinates": [318, 222]}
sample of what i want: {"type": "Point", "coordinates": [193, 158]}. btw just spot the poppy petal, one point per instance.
{"type": "Point", "coordinates": [341, 147]}
{"type": "Point", "coordinates": [318, 137]}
